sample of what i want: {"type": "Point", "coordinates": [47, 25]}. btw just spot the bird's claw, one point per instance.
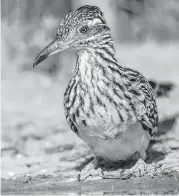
{"type": "Point", "coordinates": [89, 172]}
{"type": "Point", "coordinates": [138, 170]}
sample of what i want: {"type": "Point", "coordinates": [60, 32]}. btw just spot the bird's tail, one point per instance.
{"type": "Point", "coordinates": [161, 89]}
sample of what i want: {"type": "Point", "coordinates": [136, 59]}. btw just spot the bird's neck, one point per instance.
{"type": "Point", "coordinates": [95, 64]}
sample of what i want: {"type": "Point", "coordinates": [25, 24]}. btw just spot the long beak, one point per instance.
{"type": "Point", "coordinates": [54, 47]}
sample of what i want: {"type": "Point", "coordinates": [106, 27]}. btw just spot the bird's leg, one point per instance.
{"type": "Point", "coordinates": [91, 171]}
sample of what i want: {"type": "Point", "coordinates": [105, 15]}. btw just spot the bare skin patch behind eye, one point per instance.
{"type": "Point", "coordinates": [94, 21]}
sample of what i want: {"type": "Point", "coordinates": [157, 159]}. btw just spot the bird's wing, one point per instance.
{"type": "Point", "coordinates": [143, 101]}
{"type": "Point", "coordinates": [72, 125]}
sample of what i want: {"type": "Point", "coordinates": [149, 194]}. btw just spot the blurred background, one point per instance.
{"type": "Point", "coordinates": [35, 137]}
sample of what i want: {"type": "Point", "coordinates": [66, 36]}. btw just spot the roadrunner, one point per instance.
{"type": "Point", "coordinates": [111, 107]}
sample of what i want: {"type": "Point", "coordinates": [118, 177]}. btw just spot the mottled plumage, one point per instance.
{"type": "Point", "coordinates": [111, 107]}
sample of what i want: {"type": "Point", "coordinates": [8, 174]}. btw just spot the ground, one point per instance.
{"type": "Point", "coordinates": [50, 185]}
{"type": "Point", "coordinates": [41, 155]}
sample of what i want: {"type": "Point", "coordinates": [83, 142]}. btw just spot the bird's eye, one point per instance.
{"type": "Point", "coordinates": [84, 29]}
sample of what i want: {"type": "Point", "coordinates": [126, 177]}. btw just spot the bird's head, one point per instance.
{"type": "Point", "coordinates": [81, 29]}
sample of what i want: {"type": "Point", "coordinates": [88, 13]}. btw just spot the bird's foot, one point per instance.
{"type": "Point", "coordinates": [141, 169]}
{"type": "Point", "coordinates": [138, 170]}
{"type": "Point", "coordinates": [90, 172]}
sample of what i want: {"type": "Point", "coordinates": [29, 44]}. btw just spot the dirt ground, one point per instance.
{"type": "Point", "coordinates": [42, 185]}
{"type": "Point", "coordinates": [41, 155]}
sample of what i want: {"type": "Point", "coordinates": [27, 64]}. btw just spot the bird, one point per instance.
{"type": "Point", "coordinates": [110, 107]}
